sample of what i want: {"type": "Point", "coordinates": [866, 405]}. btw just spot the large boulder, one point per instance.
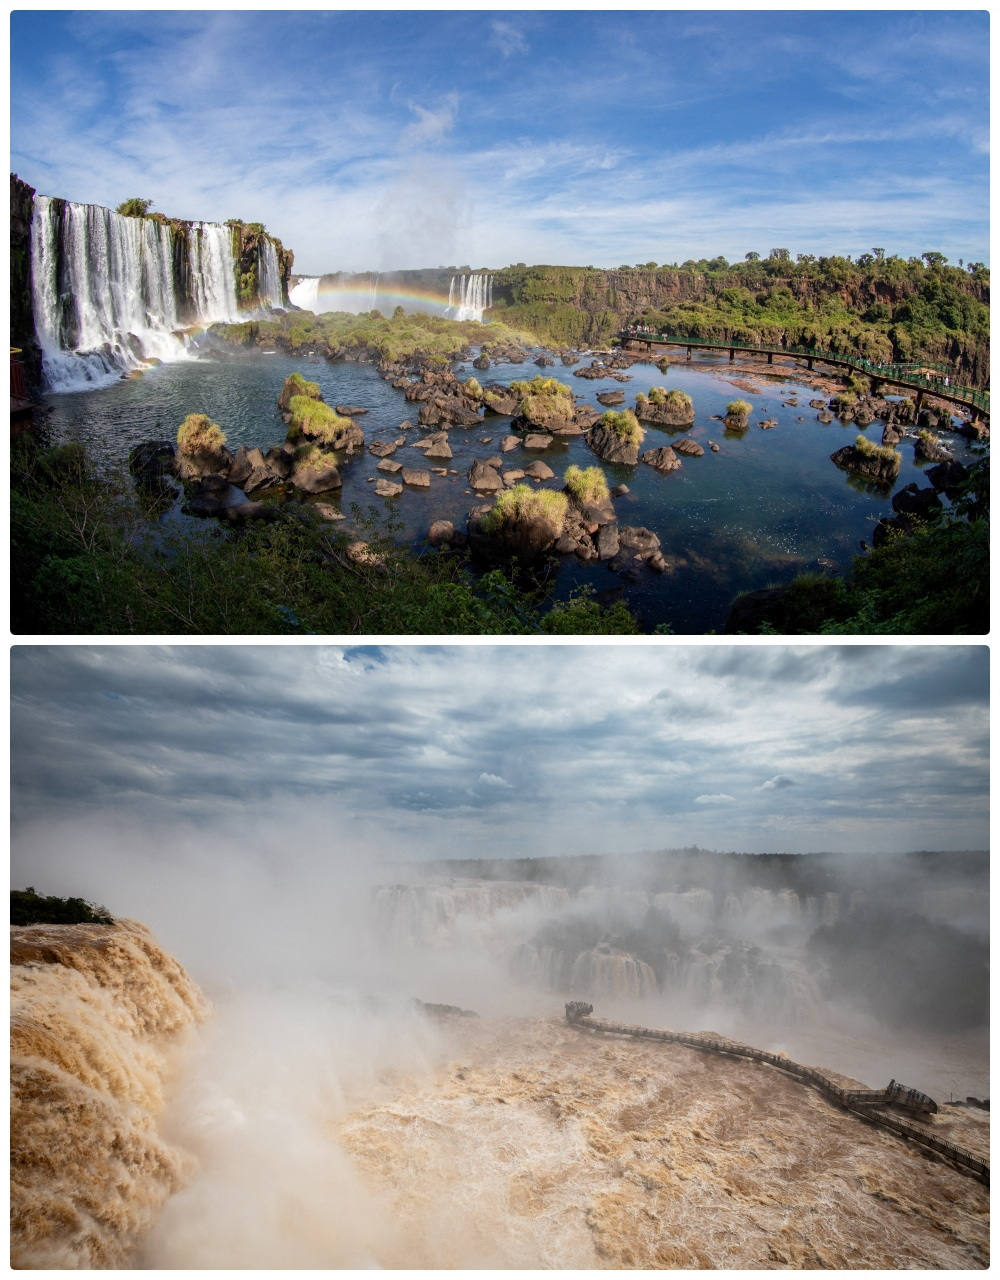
{"type": "Point", "coordinates": [947, 476]}
{"type": "Point", "coordinates": [524, 523]}
{"type": "Point", "coordinates": [929, 449]}
{"type": "Point", "coordinates": [456, 410]}
{"type": "Point", "coordinates": [616, 438]}
{"type": "Point", "coordinates": [315, 471]}
{"type": "Point", "coordinates": [610, 398]}
{"type": "Point", "coordinates": [539, 470]}
{"type": "Point", "coordinates": [297, 385]}
{"type": "Point", "coordinates": [918, 503]}
{"type": "Point", "coordinates": [875, 463]}
{"type": "Point", "coordinates": [500, 400]}
{"type": "Point", "coordinates": [545, 405]}
{"type": "Point", "coordinates": [484, 478]}
{"type": "Point", "coordinates": [313, 422]}
{"type": "Point", "coordinates": [664, 408]}
{"type": "Point", "coordinates": [662, 459]}
{"type": "Point", "coordinates": [152, 461]}
{"type": "Point", "coordinates": [689, 448]}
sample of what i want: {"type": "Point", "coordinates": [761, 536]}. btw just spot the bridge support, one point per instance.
{"type": "Point", "coordinates": [809, 362]}
{"type": "Point", "coordinates": [689, 355]}
{"type": "Point", "coordinates": [732, 355]}
{"type": "Point", "coordinates": [920, 398]}
{"type": "Point", "coordinates": [770, 357]}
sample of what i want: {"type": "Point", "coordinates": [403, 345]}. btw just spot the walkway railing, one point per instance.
{"type": "Point", "coordinates": [903, 374]}
{"type": "Point", "coordinates": [865, 1103]}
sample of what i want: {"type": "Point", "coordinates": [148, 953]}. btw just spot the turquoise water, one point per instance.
{"type": "Point", "coordinates": [768, 505]}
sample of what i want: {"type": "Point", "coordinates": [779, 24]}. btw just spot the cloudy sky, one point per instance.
{"type": "Point", "coordinates": [410, 752]}
{"type": "Point", "coordinates": [373, 140]}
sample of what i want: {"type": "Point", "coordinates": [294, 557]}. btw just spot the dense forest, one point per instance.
{"type": "Point", "coordinates": [879, 306]}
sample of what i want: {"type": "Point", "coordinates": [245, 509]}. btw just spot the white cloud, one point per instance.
{"type": "Point", "coordinates": [494, 780]}
{"type": "Point", "coordinates": [777, 783]}
{"type": "Point", "coordinates": [719, 798]}
{"type": "Point", "coordinates": [506, 38]}
{"type": "Point", "coordinates": [430, 126]}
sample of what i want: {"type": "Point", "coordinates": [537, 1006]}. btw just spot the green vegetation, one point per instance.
{"type": "Point", "coordinates": [297, 385]}
{"type": "Point", "coordinates": [541, 387]}
{"type": "Point", "coordinates": [587, 486]}
{"type": "Point", "coordinates": [473, 389]}
{"type": "Point", "coordinates": [522, 503]}
{"type": "Point", "coordinates": [91, 561]}
{"type": "Point", "coordinates": [624, 424]}
{"type": "Point", "coordinates": [198, 436]}
{"type": "Point", "coordinates": [388, 341]}
{"type": "Point", "coordinates": [313, 458]}
{"type": "Point", "coordinates": [29, 907]}
{"type": "Point", "coordinates": [881, 307]}
{"type": "Point", "coordinates": [739, 409]}
{"type": "Point", "coordinates": [135, 207]}
{"type": "Point", "coordinates": [882, 452]}
{"type": "Point", "coordinates": [315, 419]}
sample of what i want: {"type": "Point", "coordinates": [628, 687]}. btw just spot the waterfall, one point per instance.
{"type": "Point", "coordinates": [106, 295]}
{"type": "Point", "coordinates": [473, 296]}
{"type": "Point", "coordinates": [268, 275]}
{"type": "Point", "coordinates": [305, 294]}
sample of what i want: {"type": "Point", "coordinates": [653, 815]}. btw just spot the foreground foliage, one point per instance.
{"type": "Point", "coordinates": [89, 560]}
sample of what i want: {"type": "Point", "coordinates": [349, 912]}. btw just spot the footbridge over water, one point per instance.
{"type": "Point", "coordinates": [924, 378]}
{"type": "Point", "coordinates": [867, 1104]}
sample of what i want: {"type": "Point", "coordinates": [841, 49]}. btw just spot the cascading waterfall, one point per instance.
{"type": "Point", "coordinates": [472, 296]}
{"type": "Point", "coordinates": [106, 294]}
{"type": "Point", "coordinates": [305, 294]}
{"type": "Point", "coordinates": [268, 275]}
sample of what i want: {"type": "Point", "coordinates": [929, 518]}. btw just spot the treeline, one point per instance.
{"type": "Point", "coordinates": [29, 907]}
{"type": "Point", "coordinates": [880, 306]}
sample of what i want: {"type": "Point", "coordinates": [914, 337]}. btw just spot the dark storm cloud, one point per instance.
{"type": "Point", "coordinates": [522, 747]}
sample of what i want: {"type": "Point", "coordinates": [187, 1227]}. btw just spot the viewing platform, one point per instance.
{"type": "Point", "coordinates": [925, 378]}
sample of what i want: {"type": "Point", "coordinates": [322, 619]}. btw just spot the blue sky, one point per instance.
{"type": "Point", "coordinates": [373, 140]}
{"type": "Point", "coordinates": [416, 751]}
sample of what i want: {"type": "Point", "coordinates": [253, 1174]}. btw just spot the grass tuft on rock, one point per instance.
{"type": "Point", "coordinates": [524, 504]}
{"type": "Point", "coordinates": [198, 435]}
{"type": "Point", "coordinates": [624, 424]}
{"type": "Point", "coordinates": [316, 420]}
{"type": "Point", "coordinates": [587, 486]}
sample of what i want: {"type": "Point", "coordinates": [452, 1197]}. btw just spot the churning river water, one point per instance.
{"type": "Point", "coordinates": [765, 507]}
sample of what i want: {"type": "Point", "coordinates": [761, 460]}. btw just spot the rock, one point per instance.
{"type": "Point", "coordinates": [947, 476]}
{"type": "Point", "coordinates": [638, 540]}
{"type": "Point", "coordinates": [663, 459]}
{"type": "Point", "coordinates": [439, 447]}
{"type": "Point", "coordinates": [362, 554]}
{"type": "Point", "coordinates": [817, 404]}
{"type": "Point", "coordinates": [152, 461]}
{"type": "Point", "coordinates": [607, 541]}
{"type": "Point", "coordinates": [879, 468]}
{"type": "Point", "coordinates": [611, 447]}
{"type": "Point", "coordinates": [382, 448]}
{"type": "Point", "coordinates": [481, 362]}
{"type": "Point", "coordinates": [619, 491]}
{"type": "Point", "coordinates": [767, 424]}
{"type": "Point", "coordinates": [441, 533]}
{"type": "Point", "coordinates": [610, 398]}
{"type": "Point", "coordinates": [316, 476]}
{"type": "Point", "coordinates": [350, 410]}
{"type": "Point", "coordinates": [569, 357]}
{"type": "Point", "coordinates": [657, 563]}
{"type": "Point", "coordinates": [190, 466]}
{"type": "Point", "coordinates": [688, 447]}
{"type": "Point", "coordinates": [326, 512]}
{"type": "Point", "coordinates": [455, 410]}
{"type": "Point", "coordinates": [825, 417]}
{"type": "Point", "coordinates": [485, 478]}
{"type": "Point", "coordinates": [296, 385]}
{"type": "Point", "coordinates": [244, 463]}
{"type": "Point", "coordinates": [911, 501]}
{"type": "Point", "coordinates": [974, 430]}
{"type": "Point", "coordinates": [594, 370]}
{"type": "Point", "coordinates": [386, 488]}
{"type": "Point", "coordinates": [417, 478]}
{"type": "Point", "coordinates": [537, 441]}
{"type": "Point", "coordinates": [500, 400]}
{"type": "Point", "coordinates": [891, 434]}
{"type": "Point", "coordinates": [510, 478]}
{"type": "Point", "coordinates": [485, 439]}
{"type": "Point", "coordinates": [539, 470]}
{"type": "Point", "coordinates": [240, 512]}
{"type": "Point", "coordinates": [508, 443]}
{"type": "Point", "coordinates": [930, 449]}
{"type": "Point", "coordinates": [496, 462]}
{"type": "Point", "coordinates": [677, 410]}
{"type": "Point", "coordinates": [544, 361]}
{"type": "Point", "coordinates": [713, 446]}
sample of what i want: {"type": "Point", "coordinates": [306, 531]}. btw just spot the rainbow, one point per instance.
{"type": "Point", "coordinates": [318, 294]}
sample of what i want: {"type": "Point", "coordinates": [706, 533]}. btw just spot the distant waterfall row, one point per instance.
{"type": "Point", "coordinates": [110, 293]}
{"type": "Point", "coordinates": [469, 296]}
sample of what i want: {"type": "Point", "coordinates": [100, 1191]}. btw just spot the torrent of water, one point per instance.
{"type": "Point", "coordinates": [111, 293]}
{"type": "Point", "coordinates": [469, 296]}
{"type": "Point", "coordinates": [305, 294]}
{"type": "Point", "coordinates": [96, 1011]}
{"type": "Point", "coordinates": [268, 275]}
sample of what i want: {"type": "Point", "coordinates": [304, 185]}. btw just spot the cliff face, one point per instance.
{"type": "Point", "coordinates": [22, 327]}
{"type": "Point", "coordinates": [905, 313]}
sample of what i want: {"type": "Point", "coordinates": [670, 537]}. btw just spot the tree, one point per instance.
{"type": "Point", "coordinates": [135, 207]}
{"type": "Point", "coordinates": [879, 254]}
{"type": "Point", "coordinates": [752, 257]}
{"type": "Point", "coordinates": [779, 255]}
{"type": "Point", "coordinates": [934, 259]}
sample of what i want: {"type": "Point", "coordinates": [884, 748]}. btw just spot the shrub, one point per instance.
{"type": "Point", "coordinates": [198, 435]}
{"type": "Point", "coordinates": [472, 388]}
{"type": "Point", "coordinates": [524, 504]}
{"type": "Point", "coordinates": [299, 386]}
{"type": "Point", "coordinates": [135, 207]}
{"type": "Point", "coordinates": [739, 409]}
{"type": "Point", "coordinates": [587, 486]}
{"type": "Point", "coordinates": [678, 399]}
{"type": "Point", "coordinates": [541, 387]}
{"type": "Point", "coordinates": [313, 458]}
{"type": "Point", "coordinates": [624, 424]}
{"type": "Point", "coordinates": [859, 384]}
{"type": "Point", "coordinates": [316, 420]}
